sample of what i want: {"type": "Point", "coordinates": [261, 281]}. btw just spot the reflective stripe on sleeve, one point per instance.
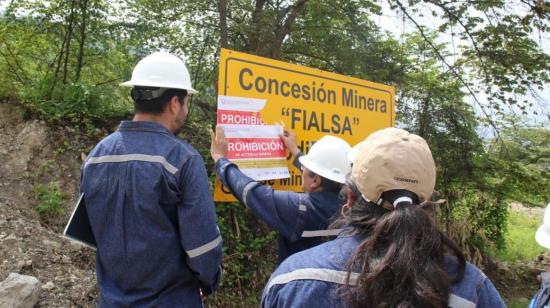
{"type": "Point", "coordinates": [340, 277]}
{"type": "Point", "coordinates": [456, 301]}
{"type": "Point", "coordinates": [316, 233]}
{"type": "Point", "coordinates": [247, 188]}
{"type": "Point", "coordinates": [130, 157]}
{"type": "Point", "coordinates": [204, 248]}
{"type": "Point", "coordinates": [321, 274]}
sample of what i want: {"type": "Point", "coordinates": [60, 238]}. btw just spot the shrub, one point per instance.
{"type": "Point", "coordinates": [73, 101]}
{"type": "Point", "coordinates": [249, 257]}
{"type": "Point", "coordinates": [520, 236]}
{"type": "Point", "coordinates": [50, 199]}
{"type": "Point", "coordinates": [476, 221]}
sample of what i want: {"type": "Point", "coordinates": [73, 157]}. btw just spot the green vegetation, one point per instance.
{"type": "Point", "coordinates": [50, 199]}
{"type": "Point", "coordinates": [250, 256]}
{"type": "Point", "coordinates": [64, 59]}
{"type": "Point", "coordinates": [521, 159]}
{"type": "Point", "coordinates": [520, 238]}
{"type": "Point", "coordinates": [518, 303]}
{"type": "Point", "coordinates": [63, 62]}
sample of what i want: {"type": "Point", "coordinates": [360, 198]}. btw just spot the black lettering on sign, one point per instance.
{"type": "Point", "coordinates": [241, 79]}
{"type": "Point", "coordinates": [352, 99]}
{"type": "Point", "coordinates": [305, 145]}
{"type": "Point", "coordinates": [293, 180]}
{"type": "Point", "coordinates": [320, 122]}
{"type": "Point", "coordinates": [309, 92]}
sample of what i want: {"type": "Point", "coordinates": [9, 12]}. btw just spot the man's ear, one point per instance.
{"type": "Point", "coordinates": [174, 105]}
{"type": "Point", "coordinates": [316, 183]}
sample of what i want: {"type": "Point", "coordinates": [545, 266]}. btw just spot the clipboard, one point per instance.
{"type": "Point", "coordinates": [78, 228]}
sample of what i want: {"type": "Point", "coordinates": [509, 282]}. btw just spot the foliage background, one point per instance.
{"type": "Point", "coordinates": [64, 60]}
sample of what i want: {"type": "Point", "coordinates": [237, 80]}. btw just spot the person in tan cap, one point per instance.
{"type": "Point", "coordinates": [391, 253]}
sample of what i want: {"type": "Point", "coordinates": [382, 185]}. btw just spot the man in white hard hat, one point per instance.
{"type": "Point", "coordinates": [148, 199]}
{"type": "Point", "coordinates": [300, 218]}
{"type": "Point", "coordinates": [543, 232]}
{"type": "Point", "coordinates": [542, 236]}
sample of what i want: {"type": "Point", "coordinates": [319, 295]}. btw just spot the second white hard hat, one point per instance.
{"type": "Point", "coordinates": [162, 70]}
{"type": "Point", "coordinates": [328, 158]}
{"type": "Point", "coordinates": [543, 233]}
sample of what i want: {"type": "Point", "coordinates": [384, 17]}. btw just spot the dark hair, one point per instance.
{"type": "Point", "coordinates": [327, 184]}
{"type": "Point", "coordinates": [155, 105]}
{"type": "Point", "coordinates": [401, 263]}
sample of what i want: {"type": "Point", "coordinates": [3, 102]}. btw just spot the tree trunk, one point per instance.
{"type": "Point", "coordinates": [254, 42]}
{"type": "Point", "coordinates": [280, 36]}
{"type": "Point", "coordinates": [84, 10]}
{"type": "Point", "coordinates": [222, 9]}
{"type": "Point", "coordinates": [70, 27]}
{"type": "Point", "coordinates": [424, 116]}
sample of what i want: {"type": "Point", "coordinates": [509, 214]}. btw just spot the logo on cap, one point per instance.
{"type": "Point", "coordinates": [406, 180]}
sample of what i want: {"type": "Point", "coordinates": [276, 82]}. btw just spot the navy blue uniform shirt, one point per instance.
{"type": "Point", "coordinates": [151, 211]}
{"type": "Point", "coordinates": [301, 219]}
{"type": "Point", "coordinates": [313, 278]}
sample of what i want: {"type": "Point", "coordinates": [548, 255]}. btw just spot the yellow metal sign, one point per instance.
{"type": "Point", "coordinates": [311, 102]}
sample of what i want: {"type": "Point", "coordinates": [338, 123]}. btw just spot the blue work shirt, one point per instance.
{"type": "Point", "coordinates": [312, 278]}
{"type": "Point", "coordinates": [151, 211]}
{"type": "Point", "coordinates": [301, 219]}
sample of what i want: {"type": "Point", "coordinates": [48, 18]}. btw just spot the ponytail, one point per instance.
{"type": "Point", "coordinates": [401, 263]}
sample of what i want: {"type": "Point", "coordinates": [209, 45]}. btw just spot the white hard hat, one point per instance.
{"type": "Point", "coordinates": [328, 158]}
{"type": "Point", "coordinates": [162, 70]}
{"type": "Point", "coordinates": [543, 233]}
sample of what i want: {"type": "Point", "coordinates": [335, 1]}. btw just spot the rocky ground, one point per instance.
{"type": "Point", "coordinates": [31, 153]}
{"type": "Point", "coordinates": [521, 280]}
{"type": "Point", "coordinates": [34, 153]}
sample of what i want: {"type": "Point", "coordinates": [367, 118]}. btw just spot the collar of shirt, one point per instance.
{"type": "Point", "coordinates": [143, 126]}
{"type": "Point", "coordinates": [325, 197]}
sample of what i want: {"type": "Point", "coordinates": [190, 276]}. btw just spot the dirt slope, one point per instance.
{"type": "Point", "coordinates": [31, 153]}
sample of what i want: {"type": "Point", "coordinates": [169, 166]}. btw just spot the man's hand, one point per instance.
{"type": "Point", "coordinates": [218, 146]}
{"type": "Point", "coordinates": [289, 138]}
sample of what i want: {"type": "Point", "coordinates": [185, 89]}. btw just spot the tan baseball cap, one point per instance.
{"type": "Point", "coordinates": [393, 158]}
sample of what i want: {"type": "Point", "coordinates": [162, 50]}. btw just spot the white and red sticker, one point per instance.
{"type": "Point", "coordinates": [236, 117]}
{"type": "Point", "coordinates": [254, 146]}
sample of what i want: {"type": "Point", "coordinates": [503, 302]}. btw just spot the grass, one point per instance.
{"type": "Point", "coordinates": [520, 245]}
{"type": "Point", "coordinates": [518, 303]}
{"type": "Point", "coordinates": [50, 199]}
{"type": "Point", "coordinates": [520, 237]}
